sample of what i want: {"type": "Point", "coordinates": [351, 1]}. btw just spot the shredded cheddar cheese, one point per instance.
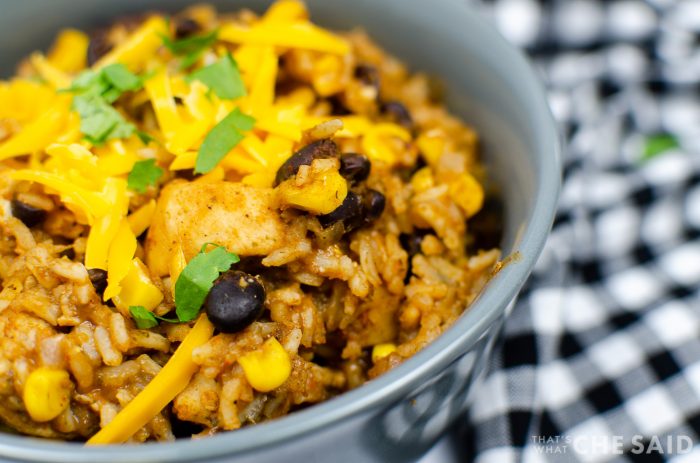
{"type": "Point", "coordinates": [90, 180]}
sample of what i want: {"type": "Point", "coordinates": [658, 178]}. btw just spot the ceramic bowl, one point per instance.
{"type": "Point", "coordinates": [397, 416]}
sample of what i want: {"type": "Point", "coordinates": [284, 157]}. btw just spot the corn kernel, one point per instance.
{"type": "Point", "coordinates": [422, 180]}
{"type": "Point", "coordinates": [467, 193]}
{"type": "Point", "coordinates": [322, 193]}
{"type": "Point", "coordinates": [382, 350]}
{"type": "Point", "coordinates": [138, 289]}
{"type": "Point", "coordinates": [376, 146]}
{"type": "Point", "coordinates": [431, 148]}
{"type": "Point", "coordinates": [328, 77]}
{"type": "Point", "coordinates": [47, 393]}
{"type": "Point", "coordinates": [268, 367]}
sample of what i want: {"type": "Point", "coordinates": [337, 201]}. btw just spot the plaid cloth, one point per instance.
{"type": "Point", "coordinates": [601, 357]}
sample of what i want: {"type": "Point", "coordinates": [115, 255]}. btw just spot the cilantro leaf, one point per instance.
{"type": "Point", "coordinates": [223, 77]}
{"type": "Point", "coordinates": [191, 48]}
{"type": "Point", "coordinates": [87, 80]}
{"type": "Point", "coordinates": [197, 278]}
{"type": "Point", "coordinates": [658, 144]}
{"type": "Point", "coordinates": [121, 78]}
{"type": "Point", "coordinates": [142, 317]}
{"type": "Point", "coordinates": [145, 319]}
{"type": "Point", "coordinates": [143, 174]}
{"type": "Point", "coordinates": [94, 93]}
{"type": "Point", "coordinates": [221, 139]}
{"type": "Point", "coordinates": [99, 121]}
{"type": "Point", "coordinates": [145, 137]}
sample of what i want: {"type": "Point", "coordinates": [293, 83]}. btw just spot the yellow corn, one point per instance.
{"type": "Point", "coordinates": [268, 367]}
{"type": "Point", "coordinates": [47, 393]}
{"type": "Point", "coordinates": [328, 75]}
{"type": "Point", "coordinates": [138, 289]}
{"type": "Point", "coordinates": [422, 180]}
{"type": "Point", "coordinates": [382, 350]}
{"type": "Point", "coordinates": [431, 147]}
{"type": "Point", "coordinates": [321, 194]}
{"type": "Point", "coordinates": [376, 145]}
{"type": "Point", "coordinates": [467, 193]}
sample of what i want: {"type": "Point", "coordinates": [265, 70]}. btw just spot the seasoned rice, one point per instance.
{"type": "Point", "coordinates": [334, 290]}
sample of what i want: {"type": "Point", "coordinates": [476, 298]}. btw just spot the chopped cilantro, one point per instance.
{"type": "Point", "coordinates": [190, 48]}
{"type": "Point", "coordinates": [142, 317]}
{"type": "Point", "coordinates": [121, 78]}
{"type": "Point", "coordinates": [145, 137]}
{"type": "Point", "coordinates": [222, 77]}
{"type": "Point", "coordinates": [221, 139]}
{"type": "Point", "coordinates": [145, 319]}
{"type": "Point", "coordinates": [658, 144]}
{"type": "Point", "coordinates": [95, 91]}
{"type": "Point", "coordinates": [99, 121]}
{"type": "Point", "coordinates": [143, 174]}
{"type": "Point", "coordinates": [197, 278]}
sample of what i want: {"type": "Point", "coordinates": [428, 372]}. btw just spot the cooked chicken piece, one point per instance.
{"type": "Point", "coordinates": [240, 217]}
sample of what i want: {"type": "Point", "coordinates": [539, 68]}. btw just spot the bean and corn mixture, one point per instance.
{"type": "Point", "coordinates": [212, 219]}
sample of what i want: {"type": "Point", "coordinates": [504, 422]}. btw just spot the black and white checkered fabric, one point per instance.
{"type": "Point", "coordinates": [601, 356]}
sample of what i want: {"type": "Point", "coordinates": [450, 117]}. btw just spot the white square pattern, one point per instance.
{"type": "Point", "coordinates": [653, 411]}
{"type": "Point", "coordinates": [634, 288]}
{"type": "Point", "coordinates": [556, 385]}
{"type": "Point", "coordinates": [616, 355]}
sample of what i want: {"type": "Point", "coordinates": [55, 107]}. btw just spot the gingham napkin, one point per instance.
{"type": "Point", "coordinates": [601, 356]}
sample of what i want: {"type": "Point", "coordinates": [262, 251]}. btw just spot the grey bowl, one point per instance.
{"type": "Point", "coordinates": [399, 415]}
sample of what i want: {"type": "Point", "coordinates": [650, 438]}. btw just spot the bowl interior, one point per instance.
{"type": "Point", "coordinates": [487, 83]}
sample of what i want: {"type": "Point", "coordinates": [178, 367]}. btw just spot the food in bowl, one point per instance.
{"type": "Point", "coordinates": [212, 220]}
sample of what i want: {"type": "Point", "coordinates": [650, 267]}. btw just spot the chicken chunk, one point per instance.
{"type": "Point", "coordinates": [240, 217]}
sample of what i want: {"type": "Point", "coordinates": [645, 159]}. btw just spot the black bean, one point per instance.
{"type": "Point", "coordinates": [68, 253]}
{"type": "Point", "coordinates": [398, 113]}
{"type": "Point", "coordinates": [354, 167]}
{"type": "Point", "coordinates": [29, 215]}
{"type": "Point", "coordinates": [98, 278]}
{"type": "Point", "coordinates": [338, 107]}
{"type": "Point", "coordinates": [99, 46]}
{"type": "Point", "coordinates": [351, 213]}
{"type": "Point", "coordinates": [411, 243]}
{"type": "Point", "coordinates": [373, 205]}
{"type": "Point", "coordinates": [486, 227]}
{"type": "Point", "coordinates": [184, 27]}
{"type": "Point", "coordinates": [184, 429]}
{"type": "Point", "coordinates": [368, 75]}
{"type": "Point", "coordinates": [235, 301]}
{"type": "Point", "coordinates": [319, 149]}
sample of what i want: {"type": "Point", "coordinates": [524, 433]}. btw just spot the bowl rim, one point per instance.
{"type": "Point", "coordinates": [390, 386]}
